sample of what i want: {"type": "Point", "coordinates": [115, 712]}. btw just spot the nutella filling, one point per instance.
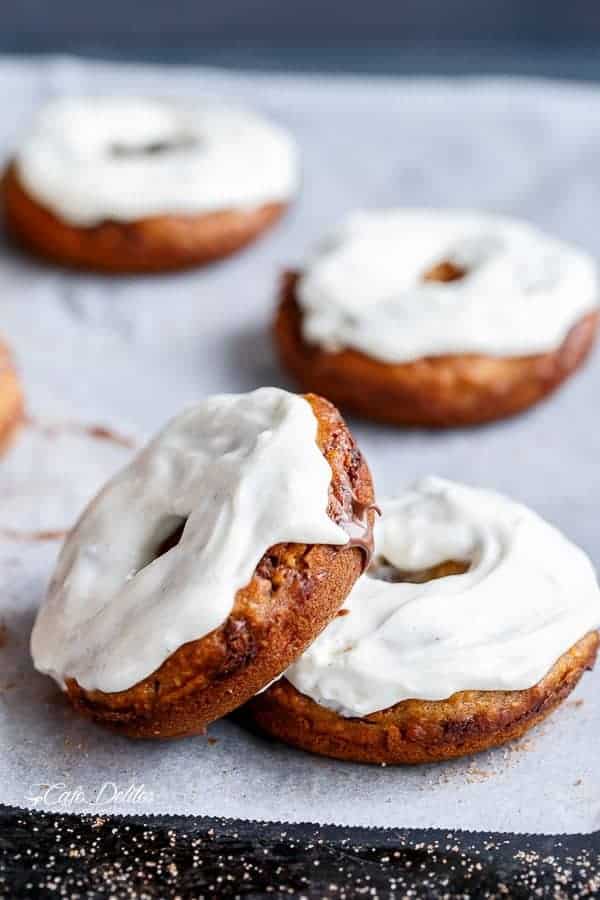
{"type": "Point", "coordinates": [383, 570]}
{"type": "Point", "coordinates": [359, 529]}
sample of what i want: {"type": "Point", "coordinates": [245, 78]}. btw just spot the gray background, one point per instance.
{"type": "Point", "coordinates": [136, 22]}
{"type": "Point", "coordinates": [549, 38]}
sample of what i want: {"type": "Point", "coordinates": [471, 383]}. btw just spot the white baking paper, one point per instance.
{"type": "Point", "coordinates": [128, 353]}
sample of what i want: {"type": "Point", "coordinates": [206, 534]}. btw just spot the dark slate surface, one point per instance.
{"type": "Point", "coordinates": [336, 21]}
{"type": "Point", "coordinates": [43, 855]}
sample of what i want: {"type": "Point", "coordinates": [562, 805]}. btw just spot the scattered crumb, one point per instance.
{"type": "Point", "coordinates": [521, 745]}
{"type": "Point", "coordinates": [12, 534]}
{"type": "Point", "coordinates": [475, 774]}
{"type": "Point", "coordinates": [70, 744]}
{"type": "Point", "coordinates": [343, 612]}
{"type": "Point", "coordinates": [3, 635]}
{"type": "Point", "coordinates": [578, 782]}
{"type": "Point", "coordinates": [575, 703]}
{"type": "Point", "coordinates": [212, 740]}
{"type": "Point", "coordinates": [102, 433]}
{"type": "Point", "coordinates": [98, 432]}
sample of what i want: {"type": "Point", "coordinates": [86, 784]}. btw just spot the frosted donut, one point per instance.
{"type": "Point", "coordinates": [437, 318]}
{"type": "Point", "coordinates": [473, 623]}
{"type": "Point", "coordinates": [203, 569]}
{"type": "Point", "coordinates": [131, 184]}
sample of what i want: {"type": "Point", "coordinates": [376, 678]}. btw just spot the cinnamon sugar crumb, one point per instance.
{"type": "Point", "coordinates": [102, 433]}
{"type": "Point", "coordinates": [11, 534]}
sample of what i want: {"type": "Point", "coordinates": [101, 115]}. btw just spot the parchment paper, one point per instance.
{"type": "Point", "coordinates": [128, 353]}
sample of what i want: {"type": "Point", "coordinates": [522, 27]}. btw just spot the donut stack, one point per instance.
{"type": "Point", "coordinates": [233, 560]}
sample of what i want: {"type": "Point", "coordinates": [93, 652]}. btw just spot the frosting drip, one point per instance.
{"type": "Point", "coordinates": [527, 595]}
{"type": "Point", "coordinates": [156, 559]}
{"type": "Point", "coordinates": [400, 285]}
{"type": "Point", "coordinates": [98, 159]}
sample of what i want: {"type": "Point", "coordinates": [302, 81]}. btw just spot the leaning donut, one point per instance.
{"type": "Point", "coordinates": [206, 567]}
{"type": "Point", "coordinates": [11, 398]}
{"type": "Point", "coordinates": [133, 185]}
{"type": "Point", "coordinates": [475, 621]}
{"type": "Point", "coordinates": [437, 319]}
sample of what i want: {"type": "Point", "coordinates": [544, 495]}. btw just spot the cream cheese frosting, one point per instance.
{"type": "Point", "coordinates": [241, 472]}
{"type": "Point", "coordinates": [528, 595]}
{"type": "Point", "coordinates": [93, 159]}
{"type": "Point", "coordinates": [520, 294]}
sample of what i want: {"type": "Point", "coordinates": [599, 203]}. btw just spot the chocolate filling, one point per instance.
{"type": "Point", "coordinates": [383, 570]}
{"type": "Point", "coordinates": [359, 529]}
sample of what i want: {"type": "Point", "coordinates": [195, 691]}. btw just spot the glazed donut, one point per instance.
{"type": "Point", "coordinates": [473, 623]}
{"type": "Point", "coordinates": [11, 399]}
{"type": "Point", "coordinates": [203, 569]}
{"type": "Point", "coordinates": [437, 319]}
{"type": "Point", "coordinates": [139, 185]}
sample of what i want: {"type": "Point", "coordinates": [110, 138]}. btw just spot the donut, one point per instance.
{"type": "Point", "coordinates": [437, 319]}
{"type": "Point", "coordinates": [474, 621]}
{"type": "Point", "coordinates": [204, 568]}
{"type": "Point", "coordinates": [11, 399]}
{"type": "Point", "coordinates": [140, 185]}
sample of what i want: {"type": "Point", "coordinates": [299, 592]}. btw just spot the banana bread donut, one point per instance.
{"type": "Point", "coordinates": [204, 568]}
{"type": "Point", "coordinates": [11, 398]}
{"type": "Point", "coordinates": [475, 620]}
{"type": "Point", "coordinates": [436, 318]}
{"type": "Point", "coordinates": [139, 185]}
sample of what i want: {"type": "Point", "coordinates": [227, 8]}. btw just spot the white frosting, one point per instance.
{"type": "Point", "coordinates": [246, 473]}
{"type": "Point", "coordinates": [528, 596]}
{"type": "Point", "coordinates": [84, 159]}
{"type": "Point", "coordinates": [364, 289]}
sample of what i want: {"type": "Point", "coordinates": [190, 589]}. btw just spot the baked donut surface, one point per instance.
{"type": "Point", "coordinates": [474, 621]}
{"type": "Point", "coordinates": [438, 318]}
{"type": "Point", "coordinates": [421, 731]}
{"type": "Point", "coordinates": [11, 399]}
{"type": "Point", "coordinates": [294, 592]}
{"type": "Point", "coordinates": [141, 185]}
{"type": "Point", "coordinates": [156, 244]}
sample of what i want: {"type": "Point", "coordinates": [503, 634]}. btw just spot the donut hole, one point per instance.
{"type": "Point", "coordinates": [445, 271]}
{"type": "Point", "coordinates": [172, 538]}
{"type": "Point", "coordinates": [383, 570]}
{"type": "Point", "coordinates": [158, 147]}
{"type": "Point", "coordinates": [166, 535]}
